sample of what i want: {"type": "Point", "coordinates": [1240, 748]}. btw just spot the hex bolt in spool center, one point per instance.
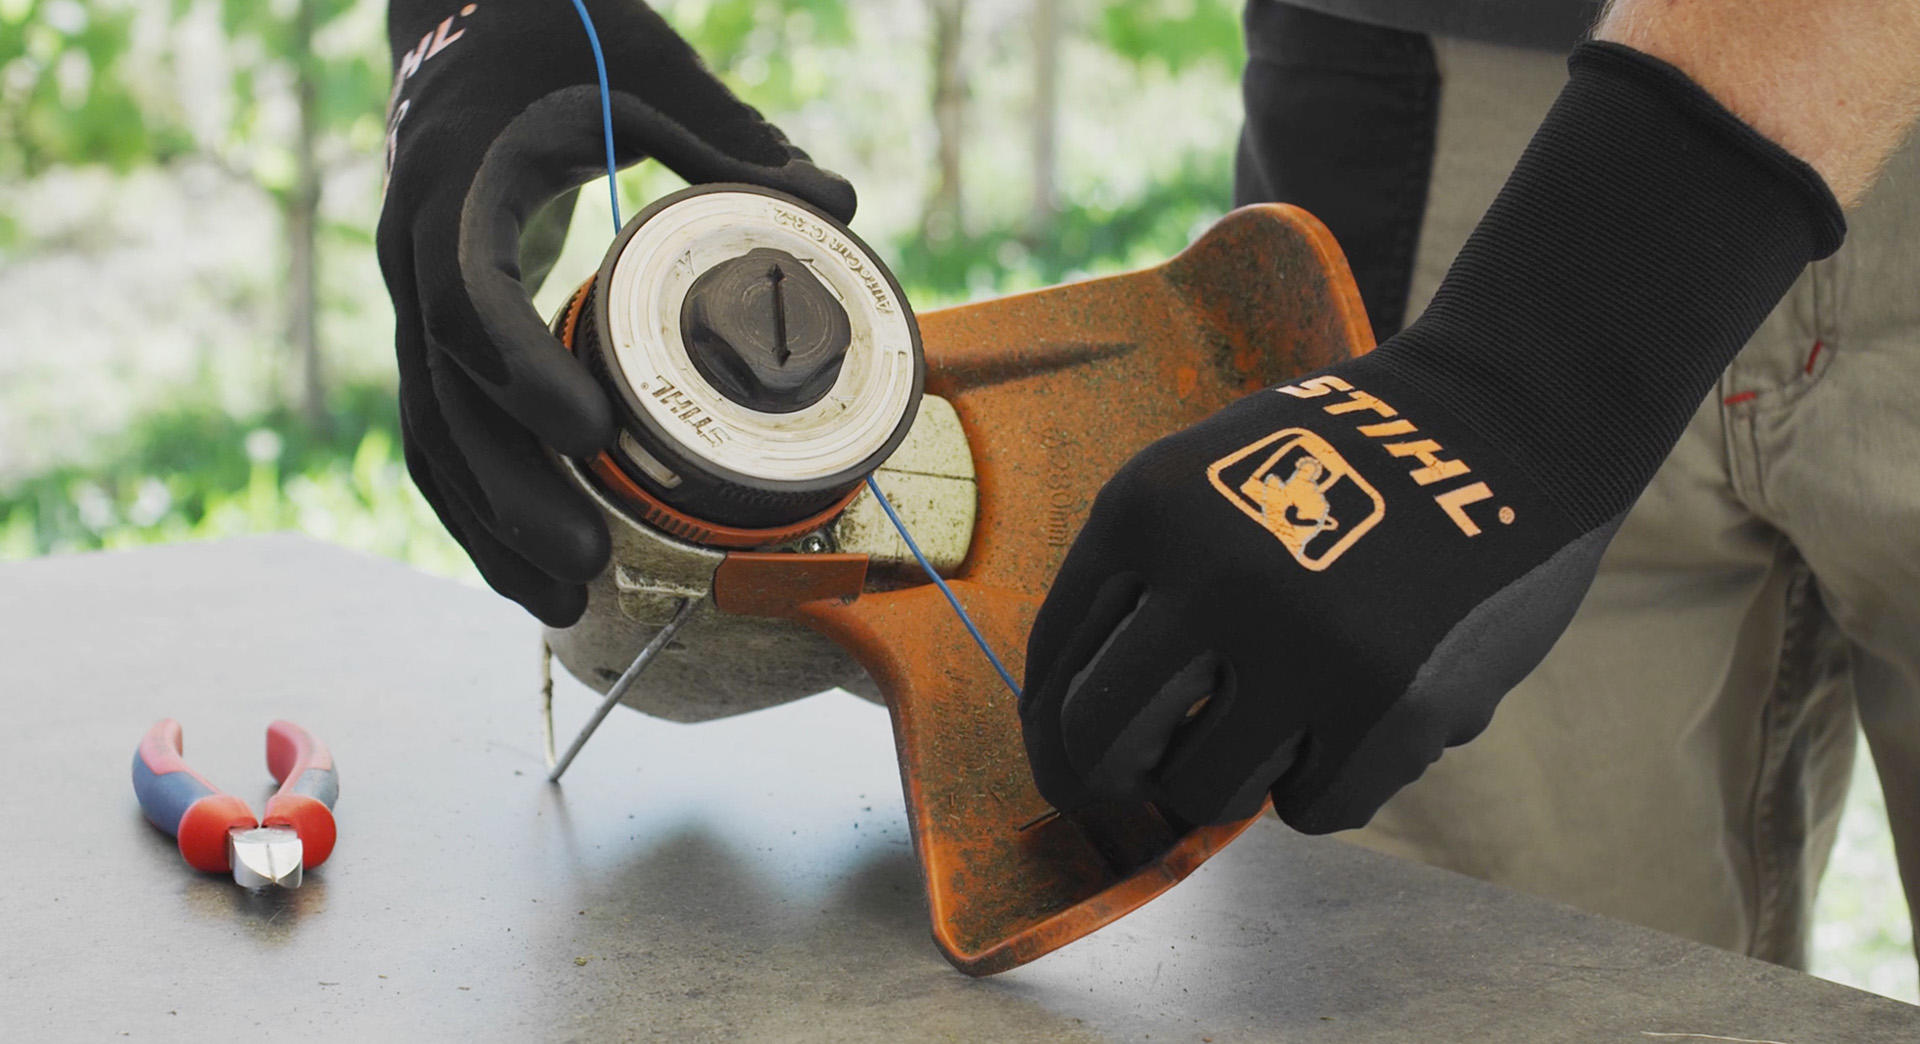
{"type": "Point", "coordinates": [762, 360]}
{"type": "Point", "coordinates": [765, 332]}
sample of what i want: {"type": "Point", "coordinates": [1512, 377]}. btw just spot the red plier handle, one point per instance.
{"type": "Point", "coordinates": [303, 767]}
{"type": "Point", "coordinates": [183, 803]}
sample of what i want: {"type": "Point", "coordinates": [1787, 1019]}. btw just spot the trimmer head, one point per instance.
{"type": "Point", "coordinates": [762, 361]}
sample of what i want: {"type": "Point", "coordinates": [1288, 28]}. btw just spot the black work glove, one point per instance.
{"type": "Point", "coordinates": [496, 111]}
{"type": "Point", "coordinates": [1314, 592]}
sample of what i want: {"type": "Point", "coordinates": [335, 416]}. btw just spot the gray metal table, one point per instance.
{"type": "Point", "coordinates": [741, 880]}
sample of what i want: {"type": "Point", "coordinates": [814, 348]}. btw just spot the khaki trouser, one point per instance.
{"type": "Point", "coordinates": [1681, 758]}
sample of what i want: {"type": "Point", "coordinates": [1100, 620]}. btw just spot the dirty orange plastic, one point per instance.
{"type": "Point", "coordinates": [1055, 390]}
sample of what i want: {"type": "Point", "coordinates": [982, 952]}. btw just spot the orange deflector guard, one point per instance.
{"type": "Point", "coordinates": [1055, 390]}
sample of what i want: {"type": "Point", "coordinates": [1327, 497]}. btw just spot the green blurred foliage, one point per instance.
{"type": "Point", "coordinates": [193, 472]}
{"type": "Point", "coordinates": [67, 95]}
{"type": "Point", "coordinates": [1175, 33]}
{"type": "Point", "coordinates": [71, 93]}
{"type": "Point", "coordinates": [778, 55]}
{"type": "Point", "coordinates": [767, 49]}
{"type": "Point", "coordinates": [351, 88]}
{"type": "Point", "coordinates": [1084, 238]}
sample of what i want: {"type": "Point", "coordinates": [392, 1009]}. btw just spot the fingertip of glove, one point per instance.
{"type": "Point", "coordinates": [833, 194]}
{"type": "Point", "coordinates": [1062, 792]}
{"type": "Point", "coordinates": [576, 552]}
{"type": "Point", "coordinates": [559, 606]}
{"type": "Point", "coordinates": [1326, 813]}
{"type": "Point", "coordinates": [844, 201]}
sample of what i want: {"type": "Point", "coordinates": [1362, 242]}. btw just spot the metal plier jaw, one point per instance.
{"type": "Point", "coordinates": [219, 833]}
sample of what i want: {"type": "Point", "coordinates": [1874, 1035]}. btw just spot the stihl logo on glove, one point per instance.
{"type": "Point", "coordinates": [1297, 509]}
{"type": "Point", "coordinates": [1303, 492]}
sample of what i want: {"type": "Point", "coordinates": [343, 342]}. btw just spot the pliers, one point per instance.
{"type": "Point", "coordinates": [218, 832]}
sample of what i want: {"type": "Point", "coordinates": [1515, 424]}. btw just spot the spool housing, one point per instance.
{"type": "Point", "coordinates": [761, 360]}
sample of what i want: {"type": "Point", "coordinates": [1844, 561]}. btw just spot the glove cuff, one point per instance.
{"type": "Point", "coordinates": [1643, 236]}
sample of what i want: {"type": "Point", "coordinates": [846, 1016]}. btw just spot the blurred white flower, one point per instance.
{"type": "Point", "coordinates": [95, 506]}
{"type": "Point", "coordinates": [67, 17]}
{"type": "Point", "coordinates": [150, 503]}
{"type": "Point", "coordinates": [263, 445]}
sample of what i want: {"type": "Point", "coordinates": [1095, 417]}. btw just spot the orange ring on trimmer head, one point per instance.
{"type": "Point", "coordinates": [674, 522]}
{"type": "Point", "coordinates": [574, 305]}
{"type": "Point", "coordinates": [686, 527]}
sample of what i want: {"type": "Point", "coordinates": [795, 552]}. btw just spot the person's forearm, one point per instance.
{"type": "Point", "coordinates": [1835, 82]}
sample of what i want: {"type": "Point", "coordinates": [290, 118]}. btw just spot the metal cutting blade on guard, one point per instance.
{"type": "Point", "coordinates": [263, 856]}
